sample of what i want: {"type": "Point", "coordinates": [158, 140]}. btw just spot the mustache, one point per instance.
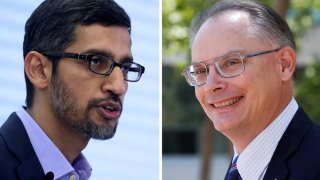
{"type": "Point", "coordinates": [111, 97]}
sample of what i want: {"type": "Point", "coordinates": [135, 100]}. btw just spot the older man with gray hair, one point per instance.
{"type": "Point", "coordinates": [243, 61]}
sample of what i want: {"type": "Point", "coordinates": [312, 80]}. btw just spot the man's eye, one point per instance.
{"type": "Point", "coordinates": [95, 61]}
{"type": "Point", "coordinates": [198, 71]}
{"type": "Point", "coordinates": [231, 62]}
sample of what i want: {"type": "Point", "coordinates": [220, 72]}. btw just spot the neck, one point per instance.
{"type": "Point", "coordinates": [69, 142]}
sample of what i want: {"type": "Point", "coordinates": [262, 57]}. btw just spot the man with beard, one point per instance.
{"type": "Point", "coordinates": [243, 61]}
{"type": "Point", "coordinates": [77, 64]}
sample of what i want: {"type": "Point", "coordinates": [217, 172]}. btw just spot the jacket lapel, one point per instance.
{"type": "Point", "coordinates": [30, 169]}
{"type": "Point", "coordinates": [289, 143]}
{"type": "Point", "coordinates": [19, 144]}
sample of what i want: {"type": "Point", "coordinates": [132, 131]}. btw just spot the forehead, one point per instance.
{"type": "Point", "coordinates": [222, 34]}
{"type": "Point", "coordinates": [114, 40]}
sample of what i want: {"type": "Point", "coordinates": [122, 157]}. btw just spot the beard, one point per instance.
{"type": "Point", "coordinates": [64, 105]}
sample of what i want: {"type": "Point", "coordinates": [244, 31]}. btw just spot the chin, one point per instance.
{"type": "Point", "coordinates": [223, 124]}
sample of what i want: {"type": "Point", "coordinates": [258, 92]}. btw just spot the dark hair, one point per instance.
{"type": "Point", "coordinates": [52, 26]}
{"type": "Point", "coordinates": [266, 23]}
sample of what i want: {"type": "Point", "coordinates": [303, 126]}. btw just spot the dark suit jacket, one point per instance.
{"type": "Point", "coordinates": [297, 156]}
{"type": "Point", "coordinates": [17, 156]}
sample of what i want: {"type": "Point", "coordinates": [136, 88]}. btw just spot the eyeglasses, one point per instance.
{"type": "Point", "coordinates": [103, 65]}
{"type": "Point", "coordinates": [227, 66]}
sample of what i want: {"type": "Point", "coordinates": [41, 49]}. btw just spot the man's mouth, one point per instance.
{"type": "Point", "coordinates": [109, 110]}
{"type": "Point", "coordinates": [227, 102]}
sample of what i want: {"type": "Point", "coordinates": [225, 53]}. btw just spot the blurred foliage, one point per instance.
{"type": "Point", "coordinates": [307, 86]}
{"type": "Point", "coordinates": [301, 16]}
{"type": "Point", "coordinates": [176, 18]}
{"type": "Point", "coordinates": [179, 103]}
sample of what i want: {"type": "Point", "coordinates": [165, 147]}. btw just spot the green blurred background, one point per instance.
{"type": "Point", "coordinates": [188, 136]}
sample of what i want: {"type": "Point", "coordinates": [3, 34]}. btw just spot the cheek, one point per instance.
{"type": "Point", "coordinates": [262, 87]}
{"type": "Point", "coordinates": [126, 90]}
{"type": "Point", "coordinates": [80, 90]}
{"type": "Point", "coordinates": [81, 93]}
{"type": "Point", "coordinates": [126, 86]}
{"type": "Point", "coordinates": [122, 97]}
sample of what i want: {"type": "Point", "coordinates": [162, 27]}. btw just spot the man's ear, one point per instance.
{"type": "Point", "coordinates": [287, 60]}
{"type": "Point", "coordinates": [38, 69]}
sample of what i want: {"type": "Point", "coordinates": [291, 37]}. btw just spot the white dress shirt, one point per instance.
{"type": "Point", "coordinates": [253, 161]}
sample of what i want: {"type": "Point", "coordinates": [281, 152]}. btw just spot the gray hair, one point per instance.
{"type": "Point", "coordinates": [267, 24]}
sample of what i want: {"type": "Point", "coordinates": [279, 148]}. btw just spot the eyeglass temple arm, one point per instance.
{"type": "Point", "coordinates": [260, 53]}
{"type": "Point", "coordinates": [59, 54]}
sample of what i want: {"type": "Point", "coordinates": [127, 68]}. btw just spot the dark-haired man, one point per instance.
{"type": "Point", "coordinates": [78, 61]}
{"type": "Point", "coordinates": [243, 61]}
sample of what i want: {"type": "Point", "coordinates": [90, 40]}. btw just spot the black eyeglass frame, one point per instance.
{"type": "Point", "coordinates": [89, 57]}
{"type": "Point", "coordinates": [243, 57]}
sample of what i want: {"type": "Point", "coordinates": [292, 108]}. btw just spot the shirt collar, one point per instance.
{"type": "Point", "coordinates": [254, 159]}
{"type": "Point", "coordinates": [50, 157]}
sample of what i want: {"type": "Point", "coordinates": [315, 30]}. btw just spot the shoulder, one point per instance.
{"type": "Point", "coordinates": [310, 133]}
{"type": "Point", "coordinates": [297, 154]}
{"type": "Point", "coordinates": [17, 155]}
{"type": "Point", "coordinates": [6, 155]}
{"type": "Point", "coordinates": [305, 159]}
{"type": "Point", "coordinates": [8, 159]}
{"type": "Point", "coordinates": [304, 134]}
{"type": "Point", "coordinates": [311, 142]}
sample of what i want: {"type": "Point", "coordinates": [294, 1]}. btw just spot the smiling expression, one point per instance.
{"type": "Point", "coordinates": [246, 103]}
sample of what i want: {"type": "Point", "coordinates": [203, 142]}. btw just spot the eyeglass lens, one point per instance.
{"type": "Point", "coordinates": [101, 64]}
{"type": "Point", "coordinates": [104, 65]}
{"type": "Point", "coordinates": [228, 66]}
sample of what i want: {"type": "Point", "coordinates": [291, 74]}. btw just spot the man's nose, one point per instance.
{"type": "Point", "coordinates": [115, 82]}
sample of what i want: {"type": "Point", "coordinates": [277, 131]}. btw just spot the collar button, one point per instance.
{"type": "Point", "coordinates": [72, 177]}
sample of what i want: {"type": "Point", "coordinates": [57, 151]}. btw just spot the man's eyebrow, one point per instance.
{"type": "Point", "coordinates": [127, 58]}
{"type": "Point", "coordinates": [237, 51]}
{"type": "Point", "coordinates": [233, 52]}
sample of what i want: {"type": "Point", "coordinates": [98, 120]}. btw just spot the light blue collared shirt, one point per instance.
{"type": "Point", "coordinates": [50, 157]}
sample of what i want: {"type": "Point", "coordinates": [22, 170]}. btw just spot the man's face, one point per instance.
{"type": "Point", "coordinates": [245, 103]}
{"type": "Point", "coordinates": [89, 103]}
